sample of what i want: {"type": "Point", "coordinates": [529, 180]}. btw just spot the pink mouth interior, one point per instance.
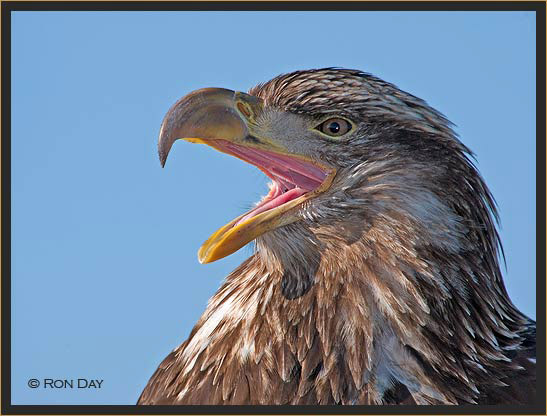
{"type": "Point", "coordinates": [291, 177]}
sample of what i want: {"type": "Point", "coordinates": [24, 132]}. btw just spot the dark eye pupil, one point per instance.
{"type": "Point", "coordinates": [334, 127]}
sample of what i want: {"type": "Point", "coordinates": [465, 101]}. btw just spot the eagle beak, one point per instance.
{"type": "Point", "coordinates": [226, 121]}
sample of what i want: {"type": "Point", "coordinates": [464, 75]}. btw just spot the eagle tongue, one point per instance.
{"type": "Point", "coordinates": [274, 203]}
{"type": "Point", "coordinates": [296, 178]}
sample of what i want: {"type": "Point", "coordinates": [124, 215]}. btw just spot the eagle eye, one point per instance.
{"type": "Point", "coordinates": [334, 127]}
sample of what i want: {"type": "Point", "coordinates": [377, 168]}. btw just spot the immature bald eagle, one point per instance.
{"type": "Point", "coordinates": [375, 278]}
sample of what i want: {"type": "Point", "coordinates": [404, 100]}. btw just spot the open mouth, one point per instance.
{"type": "Point", "coordinates": [292, 177]}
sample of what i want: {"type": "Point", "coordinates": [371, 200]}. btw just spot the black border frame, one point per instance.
{"type": "Point", "coordinates": [8, 6]}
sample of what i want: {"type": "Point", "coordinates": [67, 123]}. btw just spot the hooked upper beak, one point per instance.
{"type": "Point", "coordinates": [208, 114]}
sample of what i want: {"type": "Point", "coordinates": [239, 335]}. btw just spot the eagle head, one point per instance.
{"type": "Point", "coordinates": [352, 158]}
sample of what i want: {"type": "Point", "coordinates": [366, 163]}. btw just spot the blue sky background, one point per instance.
{"type": "Point", "coordinates": [105, 275]}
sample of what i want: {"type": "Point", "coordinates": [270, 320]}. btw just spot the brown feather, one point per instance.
{"type": "Point", "coordinates": [388, 290]}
